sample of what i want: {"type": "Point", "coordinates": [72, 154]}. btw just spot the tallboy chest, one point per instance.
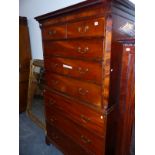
{"type": "Point", "coordinates": [77, 45]}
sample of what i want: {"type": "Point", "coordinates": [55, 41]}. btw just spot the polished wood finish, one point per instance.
{"type": "Point", "coordinates": [87, 117]}
{"type": "Point", "coordinates": [54, 32]}
{"type": "Point", "coordinates": [62, 141]}
{"type": "Point", "coordinates": [82, 72]}
{"type": "Point", "coordinates": [86, 28]}
{"type": "Point", "coordinates": [81, 49]}
{"type": "Point", "coordinates": [88, 92]}
{"type": "Point", "coordinates": [83, 137]}
{"type": "Point", "coordinates": [123, 93]}
{"type": "Point", "coordinates": [126, 99]}
{"type": "Point", "coordinates": [24, 62]}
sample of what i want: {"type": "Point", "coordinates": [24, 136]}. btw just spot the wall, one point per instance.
{"type": "Point", "coordinates": [33, 8]}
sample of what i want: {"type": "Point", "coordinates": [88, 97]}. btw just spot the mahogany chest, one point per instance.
{"type": "Point", "coordinates": [82, 79]}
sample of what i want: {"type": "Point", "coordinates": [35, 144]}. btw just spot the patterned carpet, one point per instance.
{"type": "Point", "coordinates": [32, 139]}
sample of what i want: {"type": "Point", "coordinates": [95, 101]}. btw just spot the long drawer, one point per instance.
{"type": "Point", "coordinates": [88, 92]}
{"type": "Point", "coordinates": [64, 142]}
{"type": "Point", "coordinates": [87, 28]}
{"type": "Point", "coordinates": [79, 113]}
{"type": "Point", "coordinates": [83, 137]}
{"type": "Point", "coordinates": [90, 71]}
{"type": "Point", "coordinates": [84, 49]}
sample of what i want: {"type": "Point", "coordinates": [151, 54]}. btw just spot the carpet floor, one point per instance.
{"type": "Point", "coordinates": [38, 108]}
{"type": "Point", "coordinates": [32, 139]}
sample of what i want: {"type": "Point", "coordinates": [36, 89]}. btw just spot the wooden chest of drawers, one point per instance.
{"type": "Point", "coordinates": [82, 88]}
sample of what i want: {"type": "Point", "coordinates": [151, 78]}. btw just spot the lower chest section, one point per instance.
{"type": "Point", "coordinates": [82, 126]}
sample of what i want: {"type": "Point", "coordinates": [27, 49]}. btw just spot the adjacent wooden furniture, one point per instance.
{"type": "Point", "coordinates": [82, 73]}
{"type": "Point", "coordinates": [126, 108]}
{"type": "Point", "coordinates": [24, 62]}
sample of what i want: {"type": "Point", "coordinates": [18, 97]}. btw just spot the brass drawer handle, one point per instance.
{"type": "Point", "coordinates": [85, 50]}
{"type": "Point", "coordinates": [84, 118]}
{"type": "Point", "coordinates": [53, 120]}
{"type": "Point", "coordinates": [82, 71]}
{"type": "Point", "coordinates": [82, 91]}
{"type": "Point", "coordinates": [79, 49]}
{"type": "Point", "coordinates": [86, 28]}
{"type": "Point", "coordinates": [52, 32]}
{"type": "Point", "coordinates": [49, 32]}
{"type": "Point", "coordinates": [85, 140]}
{"type": "Point", "coordinates": [52, 101]}
{"type": "Point", "coordinates": [55, 65]}
{"type": "Point", "coordinates": [54, 82]}
{"type": "Point", "coordinates": [54, 136]}
{"type": "Point", "coordinates": [79, 29]}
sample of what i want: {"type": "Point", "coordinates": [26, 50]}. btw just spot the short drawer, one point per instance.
{"type": "Point", "coordinates": [79, 113]}
{"type": "Point", "coordinates": [85, 70]}
{"type": "Point", "coordinates": [54, 32]}
{"type": "Point", "coordinates": [82, 136]}
{"type": "Point", "coordinates": [88, 49]}
{"type": "Point", "coordinates": [88, 92]}
{"type": "Point", "coordinates": [86, 28]}
{"type": "Point", "coordinates": [64, 142]}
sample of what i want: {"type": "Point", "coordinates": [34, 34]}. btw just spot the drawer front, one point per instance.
{"type": "Point", "coordinates": [90, 71]}
{"type": "Point", "coordinates": [87, 28]}
{"type": "Point", "coordinates": [77, 112]}
{"type": "Point", "coordinates": [88, 92]}
{"type": "Point", "coordinates": [54, 32]}
{"type": "Point", "coordinates": [65, 143]}
{"type": "Point", "coordinates": [88, 49]}
{"type": "Point", "coordinates": [83, 137]}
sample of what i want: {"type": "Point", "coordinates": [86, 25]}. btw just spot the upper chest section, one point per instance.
{"type": "Point", "coordinates": [75, 22]}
